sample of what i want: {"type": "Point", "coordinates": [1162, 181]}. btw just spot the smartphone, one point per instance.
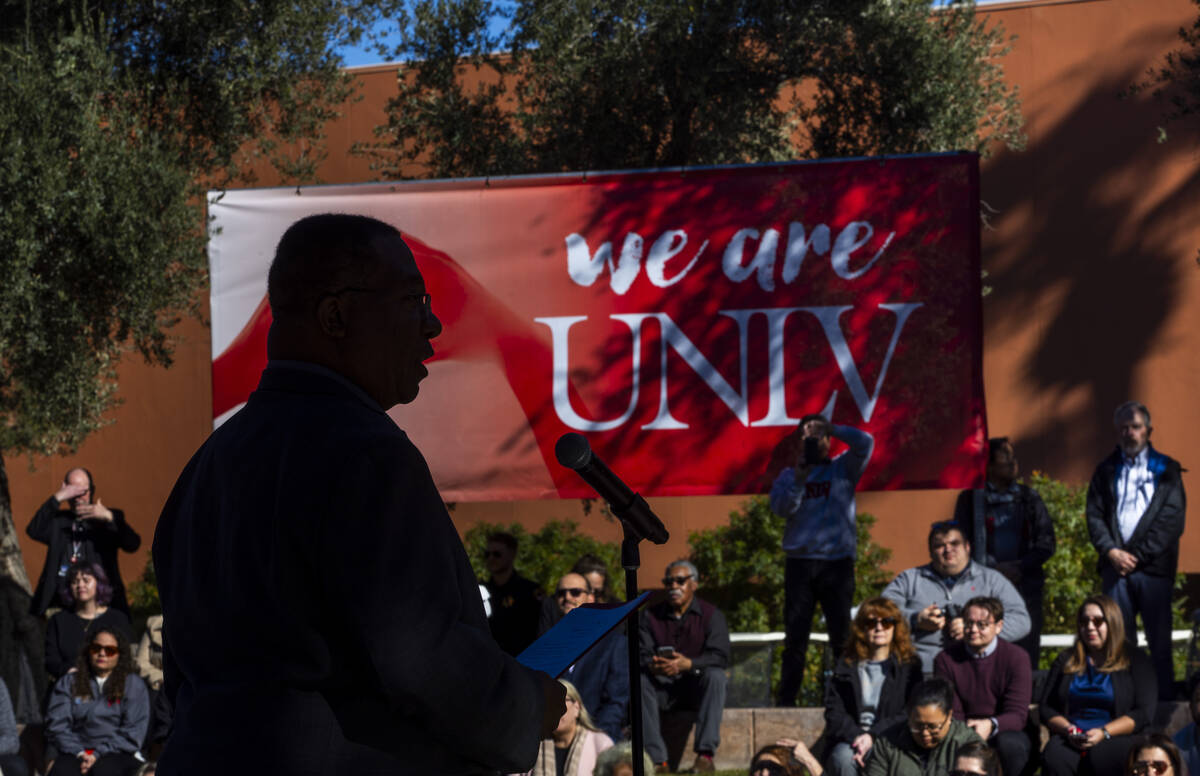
{"type": "Point", "coordinates": [812, 450]}
{"type": "Point", "coordinates": [665, 651]}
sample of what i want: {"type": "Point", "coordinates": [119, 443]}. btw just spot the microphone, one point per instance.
{"type": "Point", "coordinates": [573, 451]}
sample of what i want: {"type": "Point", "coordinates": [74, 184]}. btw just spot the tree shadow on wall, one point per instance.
{"type": "Point", "coordinates": [1091, 223]}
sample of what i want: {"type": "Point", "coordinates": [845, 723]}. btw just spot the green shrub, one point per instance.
{"type": "Point", "coordinates": [545, 555]}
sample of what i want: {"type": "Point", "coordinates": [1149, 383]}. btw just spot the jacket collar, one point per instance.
{"type": "Point", "coordinates": [307, 377]}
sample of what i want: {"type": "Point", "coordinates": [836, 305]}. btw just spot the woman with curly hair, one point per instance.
{"type": "Point", "coordinates": [88, 594]}
{"type": "Point", "coordinates": [97, 714]}
{"type": "Point", "coordinates": [870, 684]}
{"type": "Point", "coordinates": [1097, 694]}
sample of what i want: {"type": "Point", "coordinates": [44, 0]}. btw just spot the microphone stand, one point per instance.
{"type": "Point", "coordinates": [630, 560]}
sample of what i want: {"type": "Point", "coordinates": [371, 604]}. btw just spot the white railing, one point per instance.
{"type": "Point", "coordinates": [1056, 640]}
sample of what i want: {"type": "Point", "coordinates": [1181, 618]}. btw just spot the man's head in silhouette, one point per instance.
{"type": "Point", "coordinates": [346, 293]}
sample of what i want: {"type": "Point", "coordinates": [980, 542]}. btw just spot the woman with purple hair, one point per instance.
{"type": "Point", "coordinates": [88, 595]}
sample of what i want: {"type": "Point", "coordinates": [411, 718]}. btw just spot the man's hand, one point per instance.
{"type": "Point", "coordinates": [96, 511]}
{"type": "Point", "coordinates": [670, 666]}
{"type": "Point", "coordinates": [955, 629]}
{"type": "Point", "coordinates": [861, 746]}
{"type": "Point", "coordinates": [931, 618]}
{"type": "Point", "coordinates": [1124, 562]}
{"type": "Point", "coordinates": [86, 761]}
{"type": "Point", "coordinates": [68, 492]}
{"type": "Point", "coordinates": [555, 696]}
{"type": "Point", "coordinates": [982, 727]}
{"type": "Point", "coordinates": [801, 753]}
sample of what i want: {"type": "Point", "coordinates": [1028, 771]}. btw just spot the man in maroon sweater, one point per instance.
{"type": "Point", "coordinates": [992, 682]}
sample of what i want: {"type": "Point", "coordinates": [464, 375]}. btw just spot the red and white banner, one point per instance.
{"type": "Point", "coordinates": [683, 321]}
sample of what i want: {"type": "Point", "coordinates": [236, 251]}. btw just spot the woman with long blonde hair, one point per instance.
{"type": "Point", "coordinates": [870, 684]}
{"type": "Point", "coordinates": [573, 747]}
{"type": "Point", "coordinates": [1097, 694]}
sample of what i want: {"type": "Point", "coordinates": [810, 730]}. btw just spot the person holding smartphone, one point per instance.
{"type": "Point", "coordinates": [816, 497]}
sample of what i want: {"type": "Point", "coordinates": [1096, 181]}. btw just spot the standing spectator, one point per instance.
{"type": "Point", "coordinates": [1011, 531]}
{"type": "Point", "coordinates": [88, 532]}
{"type": "Point", "coordinates": [515, 600]}
{"type": "Point", "coordinates": [1188, 738]}
{"type": "Point", "coordinates": [685, 649]}
{"type": "Point", "coordinates": [11, 762]}
{"type": "Point", "coordinates": [992, 682]}
{"type": "Point", "coordinates": [575, 744]}
{"type": "Point", "coordinates": [816, 497]}
{"type": "Point", "coordinates": [1135, 516]}
{"type": "Point", "coordinates": [97, 714]}
{"type": "Point", "coordinates": [1097, 695]}
{"type": "Point", "coordinates": [932, 596]}
{"type": "Point", "coordinates": [601, 676]}
{"type": "Point", "coordinates": [88, 594]}
{"type": "Point", "coordinates": [870, 684]}
{"type": "Point", "coordinates": [927, 743]}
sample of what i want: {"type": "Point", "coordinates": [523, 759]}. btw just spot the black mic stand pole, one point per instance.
{"type": "Point", "coordinates": [630, 560]}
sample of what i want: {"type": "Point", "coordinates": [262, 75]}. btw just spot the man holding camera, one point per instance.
{"type": "Point", "coordinates": [932, 597]}
{"type": "Point", "coordinates": [816, 497]}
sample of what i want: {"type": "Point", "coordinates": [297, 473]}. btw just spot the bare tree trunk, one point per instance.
{"type": "Point", "coordinates": [12, 564]}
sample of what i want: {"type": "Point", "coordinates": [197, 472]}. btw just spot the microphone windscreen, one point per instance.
{"type": "Point", "coordinates": [573, 451]}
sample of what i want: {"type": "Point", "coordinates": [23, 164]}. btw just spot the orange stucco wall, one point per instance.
{"type": "Point", "coordinates": [1092, 257]}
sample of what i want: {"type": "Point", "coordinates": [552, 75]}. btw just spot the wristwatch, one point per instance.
{"type": "Point", "coordinates": [1107, 735]}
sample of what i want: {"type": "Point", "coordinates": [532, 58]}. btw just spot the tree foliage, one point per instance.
{"type": "Point", "coordinates": [114, 117]}
{"type": "Point", "coordinates": [1177, 78]}
{"type": "Point", "coordinates": [571, 85]}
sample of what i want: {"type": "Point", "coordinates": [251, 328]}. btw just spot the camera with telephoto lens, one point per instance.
{"type": "Point", "coordinates": [951, 611]}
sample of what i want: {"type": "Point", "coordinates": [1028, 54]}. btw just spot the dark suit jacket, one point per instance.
{"type": "Point", "coordinates": [1037, 535]}
{"type": "Point", "coordinates": [843, 693]}
{"type": "Point", "coordinates": [52, 526]}
{"type": "Point", "coordinates": [1135, 690]}
{"type": "Point", "coordinates": [602, 678]}
{"type": "Point", "coordinates": [320, 613]}
{"type": "Point", "coordinates": [1155, 541]}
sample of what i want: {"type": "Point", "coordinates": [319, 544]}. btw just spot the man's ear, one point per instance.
{"type": "Point", "coordinates": [331, 317]}
{"type": "Point", "coordinates": [999, 626]}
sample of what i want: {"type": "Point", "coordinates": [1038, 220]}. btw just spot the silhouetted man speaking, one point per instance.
{"type": "Point", "coordinates": [321, 616]}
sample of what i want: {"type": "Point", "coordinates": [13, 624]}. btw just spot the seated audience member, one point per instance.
{"type": "Point", "coordinates": [1097, 695]}
{"type": "Point", "coordinates": [618, 761]}
{"type": "Point", "coordinates": [787, 757]}
{"type": "Point", "coordinates": [977, 759]}
{"type": "Point", "coordinates": [147, 769]}
{"type": "Point", "coordinates": [97, 714]}
{"type": "Point", "coordinates": [932, 596]}
{"type": "Point", "coordinates": [869, 686]}
{"type": "Point", "coordinates": [601, 675]}
{"type": "Point", "coordinates": [1154, 755]}
{"type": "Point", "coordinates": [927, 742]}
{"type": "Point", "coordinates": [22, 651]}
{"type": "Point", "coordinates": [11, 762]}
{"type": "Point", "coordinates": [1011, 531]}
{"type": "Point", "coordinates": [87, 596]}
{"type": "Point", "coordinates": [515, 600]}
{"type": "Point", "coordinates": [575, 744]}
{"type": "Point", "coordinates": [1188, 738]}
{"type": "Point", "coordinates": [684, 652]}
{"type": "Point", "coordinates": [149, 653]}
{"type": "Point", "coordinates": [992, 681]}
{"type": "Point", "coordinates": [595, 572]}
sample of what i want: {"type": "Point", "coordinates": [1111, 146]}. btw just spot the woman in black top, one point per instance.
{"type": "Point", "coordinates": [88, 595]}
{"type": "Point", "coordinates": [1097, 694]}
{"type": "Point", "coordinates": [870, 684]}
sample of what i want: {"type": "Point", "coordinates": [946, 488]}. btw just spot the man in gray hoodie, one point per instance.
{"type": "Point", "coordinates": [816, 496]}
{"type": "Point", "coordinates": [932, 597]}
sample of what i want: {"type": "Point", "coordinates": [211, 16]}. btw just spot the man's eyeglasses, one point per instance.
{"type": "Point", "coordinates": [927, 727]}
{"type": "Point", "coordinates": [424, 300]}
{"type": "Point", "coordinates": [573, 592]}
{"type": "Point", "coordinates": [1096, 622]}
{"type": "Point", "coordinates": [105, 649]}
{"type": "Point", "coordinates": [672, 581]}
{"type": "Point", "coordinates": [977, 624]}
{"type": "Point", "coordinates": [1143, 767]}
{"type": "Point", "coordinates": [871, 623]}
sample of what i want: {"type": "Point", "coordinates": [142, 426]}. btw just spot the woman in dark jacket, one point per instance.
{"type": "Point", "coordinates": [1097, 694]}
{"type": "Point", "coordinates": [870, 684]}
{"type": "Point", "coordinates": [88, 595]}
